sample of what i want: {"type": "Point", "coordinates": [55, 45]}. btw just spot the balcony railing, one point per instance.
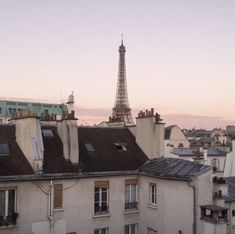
{"type": "Point", "coordinates": [101, 210]}
{"type": "Point", "coordinates": [8, 220]}
{"type": "Point", "coordinates": [131, 205]}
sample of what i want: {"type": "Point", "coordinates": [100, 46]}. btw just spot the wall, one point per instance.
{"type": "Point", "coordinates": [173, 198]}
{"type": "Point", "coordinates": [78, 207]}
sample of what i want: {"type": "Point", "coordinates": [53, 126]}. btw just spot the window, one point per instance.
{"type": "Point", "coordinates": [131, 229]}
{"type": "Point", "coordinates": [101, 231]}
{"type": "Point", "coordinates": [131, 194]}
{"type": "Point", "coordinates": [151, 231]}
{"type": "Point", "coordinates": [101, 197]}
{"type": "Point", "coordinates": [4, 148]}
{"type": "Point", "coordinates": [215, 163]}
{"type": "Point", "coordinates": [58, 196]}
{"type": "Point", "coordinates": [153, 194]}
{"type": "Point", "coordinates": [233, 213]}
{"type": "Point", "coordinates": [47, 133]}
{"type": "Point", "coordinates": [89, 147]}
{"type": "Point", "coordinates": [0, 110]}
{"type": "Point", "coordinates": [120, 146]}
{"type": "Point", "coordinates": [8, 215]}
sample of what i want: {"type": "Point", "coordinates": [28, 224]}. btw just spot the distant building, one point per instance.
{"type": "Point", "coordinates": [175, 137]}
{"type": "Point", "coordinates": [10, 109]}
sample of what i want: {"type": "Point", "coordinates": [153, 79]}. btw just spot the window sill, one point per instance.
{"type": "Point", "coordinates": [58, 209]}
{"type": "Point", "coordinates": [101, 215]}
{"type": "Point", "coordinates": [131, 211]}
{"type": "Point", "coordinates": [152, 206]}
{"type": "Point", "coordinates": [10, 226]}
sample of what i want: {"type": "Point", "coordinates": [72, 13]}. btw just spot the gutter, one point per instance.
{"type": "Point", "coordinates": [54, 176]}
{"type": "Point", "coordinates": [194, 208]}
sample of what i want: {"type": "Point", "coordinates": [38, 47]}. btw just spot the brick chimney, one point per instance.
{"type": "Point", "coordinates": [150, 133]}
{"type": "Point", "coordinates": [29, 138]}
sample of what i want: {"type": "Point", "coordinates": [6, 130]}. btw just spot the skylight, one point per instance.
{"type": "Point", "coordinates": [120, 146]}
{"type": "Point", "coordinates": [4, 148]}
{"type": "Point", "coordinates": [47, 133]}
{"type": "Point", "coordinates": [89, 147]}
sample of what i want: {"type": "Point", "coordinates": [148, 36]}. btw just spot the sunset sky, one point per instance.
{"type": "Point", "coordinates": [180, 56]}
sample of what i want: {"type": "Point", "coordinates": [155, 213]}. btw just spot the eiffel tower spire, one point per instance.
{"type": "Point", "coordinates": [121, 110]}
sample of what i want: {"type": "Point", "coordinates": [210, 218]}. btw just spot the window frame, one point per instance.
{"type": "Point", "coordinates": [102, 189]}
{"type": "Point", "coordinates": [129, 226]}
{"type": "Point", "coordinates": [7, 219]}
{"type": "Point", "coordinates": [153, 194]}
{"type": "Point", "coordinates": [106, 229]}
{"type": "Point", "coordinates": [131, 202]}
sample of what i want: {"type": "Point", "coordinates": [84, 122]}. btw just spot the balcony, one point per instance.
{"type": "Point", "coordinates": [9, 220]}
{"type": "Point", "coordinates": [131, 205]}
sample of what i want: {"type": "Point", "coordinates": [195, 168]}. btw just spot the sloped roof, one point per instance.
{"type": "Point", "coordinates": [105, 156]}
{"type": "Point", "coordinates": [15, 163]}
{"type": "Point", "coordinates": [184, 152]}
{"type": "Point", "coordinates": [172, 168]}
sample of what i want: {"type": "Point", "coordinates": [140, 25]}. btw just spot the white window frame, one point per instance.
{"type": "Point", "coordinates": [106, 229]}
{"type": "Point", "coordinates": [153, 194]}
{"type": "Point", "coordinates": [6, 200]}
{"type": "Point", "coordinates": [129, 187]}
{"type": "Point", "coordinates": [101, 200]}
{"type": "Point", "coordinates": [129, 228]}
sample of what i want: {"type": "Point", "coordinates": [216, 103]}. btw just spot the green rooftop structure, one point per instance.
{"type": "Point", "coordinates": [9, 109]}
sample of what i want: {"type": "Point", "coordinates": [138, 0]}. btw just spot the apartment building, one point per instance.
{"type": "Point", "coordinates": [65, 179]}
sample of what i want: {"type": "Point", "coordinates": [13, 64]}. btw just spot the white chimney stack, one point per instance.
{"type": "Point", "coordinates": [150, 133]}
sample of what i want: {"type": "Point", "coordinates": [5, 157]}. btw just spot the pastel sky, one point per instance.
{"type": "Point", "coordinates": [180, 55]}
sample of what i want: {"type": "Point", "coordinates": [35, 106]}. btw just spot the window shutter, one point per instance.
{"type": "Point", "coordinates": [58, 195]}
{"type": "Point", "coordinates": [102, 184]}
{"type": "Point", "coordinates": [131, 181]}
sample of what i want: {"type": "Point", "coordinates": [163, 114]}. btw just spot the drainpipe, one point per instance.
{"type": "Point", "coordinates": [50, 210]}
{"type": "Point", "coordinates": [194, 208]}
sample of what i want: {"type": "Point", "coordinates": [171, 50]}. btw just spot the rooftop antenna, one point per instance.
{"type": "Point", "coordinates": [122, 38]}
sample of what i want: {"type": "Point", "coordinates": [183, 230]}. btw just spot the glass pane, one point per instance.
{"type": "Point", "coordinates": [4, 148]}
{"type": "Point", "coordinates": [127, 193]}
{"type": "Point", "coordinates": [133, 229]}
{"type": "Point", "coordinates": [126, 229]}
{"type": "Point", "coordinates": [104, 231]}
{"type": "Point", "coordinates": [97, 195]}
{"type": "Point", "coordinates": [11, 202]}
{"type": "Point", "coordinates": [104, 195]}
{"type": "Point", "coordinates": [133, 193]}
{"type": "Point", "coordinates": [2, 203]}
{"type": "Point", "coordinates": [96, 231]}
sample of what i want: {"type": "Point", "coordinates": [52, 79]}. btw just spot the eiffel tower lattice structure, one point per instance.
{"type": "Point", "coordinates": [121, 110]}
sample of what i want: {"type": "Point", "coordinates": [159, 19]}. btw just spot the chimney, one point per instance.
{"type": "Point", "coordinates": [68, 132]}
{"type": "Point", "coordinates": [29, 138]}
{"type": "Point", "coordinates": [150, 133]}
{"type": "Point", "coordinates": [233, 145]}
{"type": "Point", "coordinates": [205, 155]}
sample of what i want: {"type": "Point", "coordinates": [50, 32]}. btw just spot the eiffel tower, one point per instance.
{"type": "Point", "coordinates": [121, 110]}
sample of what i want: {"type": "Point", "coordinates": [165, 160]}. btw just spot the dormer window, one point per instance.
{"type": "Point", "coordinates": [47, 133]}
{"type": "Point", "coordinates": [4, 148]}
{"type": "Point", "coordinates": [89, 147]}
{"type": "Point", "coordinates": [120, 146]}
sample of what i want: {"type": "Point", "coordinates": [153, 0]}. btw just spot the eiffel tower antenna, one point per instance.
{"type": "Point", "coordinates": [121, 110]}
